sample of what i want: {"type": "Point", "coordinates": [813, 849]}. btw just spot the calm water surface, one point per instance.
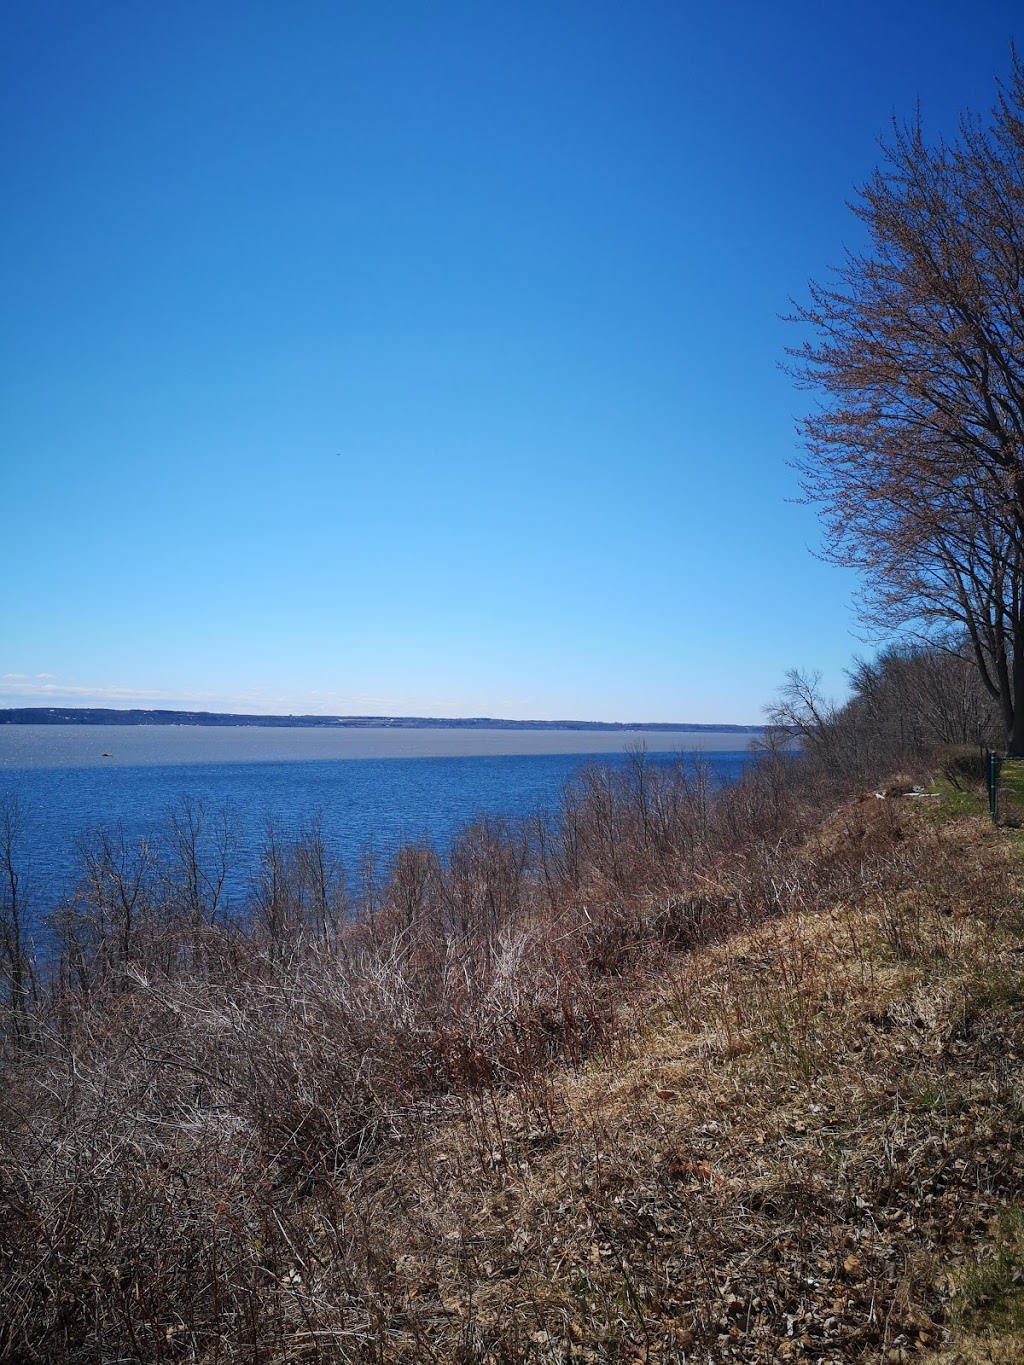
{"type": "Point", "coordinates": [369, 788]}
{"type": "Point", "coordinates": [60, 746]}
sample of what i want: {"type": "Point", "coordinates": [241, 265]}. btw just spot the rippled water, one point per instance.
{"type": "Point", "coordinates": [363, 785]}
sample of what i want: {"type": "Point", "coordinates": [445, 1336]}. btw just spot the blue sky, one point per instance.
{"type": "Point", "coordinates": [413, 358]}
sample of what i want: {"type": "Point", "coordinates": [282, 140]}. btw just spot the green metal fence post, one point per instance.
{"type": "Point", "coordinates": [995, 764]}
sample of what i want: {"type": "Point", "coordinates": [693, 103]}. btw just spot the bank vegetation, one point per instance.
{"type": "Point", "coordinates": [674, 1074]}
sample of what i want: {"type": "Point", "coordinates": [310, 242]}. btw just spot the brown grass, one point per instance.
{"type": "Point", "coordinates": [730, 1086]}
{"type": "Point", "coordinates": [794, 1156]}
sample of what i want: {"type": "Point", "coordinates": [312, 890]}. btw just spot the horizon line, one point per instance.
{"type": "Point", "coordinates": [326, 718]}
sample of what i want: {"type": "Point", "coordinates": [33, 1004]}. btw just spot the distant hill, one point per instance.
{"type": "Point", "coordinates": [98, 715]}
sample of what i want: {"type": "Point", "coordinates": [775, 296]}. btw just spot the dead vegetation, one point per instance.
{"type": "Point", "coordinates": [799, 1152]}
{"type": "Point", "coordinates": [677, 1078]}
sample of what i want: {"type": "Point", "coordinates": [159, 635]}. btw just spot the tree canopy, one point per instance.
{"type": "Point", "coordinates": [914, 451]}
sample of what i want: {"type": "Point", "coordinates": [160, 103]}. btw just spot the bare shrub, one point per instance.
{"type": "Point", "coordinates": [15, 958]}
{"type": "Point", "coordinates": [963, 766]}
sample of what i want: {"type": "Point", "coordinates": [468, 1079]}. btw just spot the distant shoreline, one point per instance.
{"type": "Point", "coordinates": [97, 715]}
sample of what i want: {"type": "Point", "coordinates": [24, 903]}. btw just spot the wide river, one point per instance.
{"type": "Point", "coordinates": [369, 788]}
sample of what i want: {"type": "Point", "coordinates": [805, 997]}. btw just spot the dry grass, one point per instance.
{"type": "Point", "coordinates": [769, 1112]}
{"type": "Point", "coordinates": [796, 1155]}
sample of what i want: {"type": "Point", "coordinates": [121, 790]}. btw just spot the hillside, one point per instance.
{"type": "Point", "coordinates": [806, 1145]}
{"type": "Point", "coordinates": [793, 1133]}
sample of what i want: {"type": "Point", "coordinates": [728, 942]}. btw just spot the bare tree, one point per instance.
{"type": "Point", "coordinates": [915, 699]}
{"type": "Point", "coordinates": [273, 894]}
{"type": "Point", "coordinates": [323, 879]}
{"type": "Point", "coordinates": [915, 453]}
{"type": "Point", "coordinates": [200, 853]}
{"type": "Point", "coordinates": [298, 890]}
{"type": "Point", "coordinates": [906, 706]}
{"type": "Point", "coordinates": [108, 921]}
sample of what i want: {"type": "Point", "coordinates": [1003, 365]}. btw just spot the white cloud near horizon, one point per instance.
{"type": "Point", "coordinates": [19, 689]}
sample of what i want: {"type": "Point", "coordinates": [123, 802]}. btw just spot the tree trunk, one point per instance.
{"type": "Point", "coordinates": [1015, 728]}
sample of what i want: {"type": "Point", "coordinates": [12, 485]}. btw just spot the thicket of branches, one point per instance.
{"type": "Point", "coordinates": [180, 1087]}
{"type": "Point", "coordinates": [906, 707]}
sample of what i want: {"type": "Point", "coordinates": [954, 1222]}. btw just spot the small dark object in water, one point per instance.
{"type": "Point", "coordinates": [106, 755]}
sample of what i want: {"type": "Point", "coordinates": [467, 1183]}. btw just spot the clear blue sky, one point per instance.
{"type": "Point", "coordinates": [422, 357]}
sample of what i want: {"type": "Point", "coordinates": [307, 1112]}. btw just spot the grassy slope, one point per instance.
{"type": "Point", "coordinates": [802, 1143]}
{"type": "Point", "coordinates": [809, 1147]}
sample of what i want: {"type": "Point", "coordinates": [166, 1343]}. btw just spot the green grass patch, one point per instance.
{"type": "Point", "coordinates": [954, 803]}
{"type": "Point", "coordinates": [1011, 791]}
{"type": "Point", "coordinates": [1013, 778]}
{"type": "Point", "coordinates": [999, 992]}
{"type": "Point", "coordinates": [992, 1292]}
